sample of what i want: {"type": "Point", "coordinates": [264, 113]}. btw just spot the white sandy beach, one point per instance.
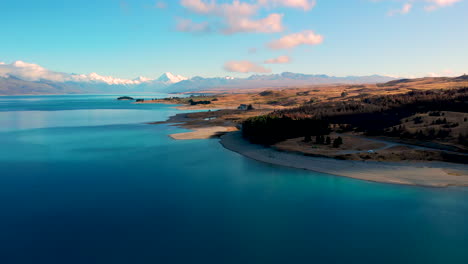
{"type": "Point", "coordinates": [430, 174]}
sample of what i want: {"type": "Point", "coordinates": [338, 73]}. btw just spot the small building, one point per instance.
{"type": "Point", "coordinates": [242, 107]}
{"type": "Point", "coordinates": [245, 107]}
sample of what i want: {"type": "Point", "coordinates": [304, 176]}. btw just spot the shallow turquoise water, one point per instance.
{"type": "Point", "coordinates": [83, 179]}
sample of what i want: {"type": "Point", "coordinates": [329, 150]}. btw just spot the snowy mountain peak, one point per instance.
{"type": "Point", "coordinates": [171, 78]}
{"type": "Point", "coordinates": [142, 79]}
{"type": "Point", "coordinates": [109, 79]}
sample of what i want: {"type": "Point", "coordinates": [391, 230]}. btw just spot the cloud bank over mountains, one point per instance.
{"type": "Point", "coordinates": [33, 72]}
{"type": "Point", "coordinates": [27, 78]}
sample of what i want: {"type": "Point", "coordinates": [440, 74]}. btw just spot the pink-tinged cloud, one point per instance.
{"type": "Point", "coordinates": [236, 8]}
{"type": "Point", "coordinates": [444, 2]}
{"type": "Point", "coordinates": [187, 25]}
{"type": "Point", "coordinates": [245, 67]}
{"type": "Point", "coordinates": [403, 11]}
{"type": "Point", "coordinates": [430, 5]}
{"type": "Point", "coordinates": [279, 60]}
{"type": "Point", "coordinates": [270, 24]}
{"type": "Point", "coordinates": [198, 6]}
{"type": "Point", "coordinates": [436, 4]}
{"type": "Point", "coordinates": [307, 37]}
{"type": "Point", "coordinates": [236, 16]}
{"type": "Point", "coordinates": [445, 73]}
{"type": "Point", "coordinates": [160, 5]}
{"type": "Point", "coordinates": [303, 4]}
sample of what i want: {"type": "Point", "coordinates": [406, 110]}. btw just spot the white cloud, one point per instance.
{"type": "Point", "coordinates": [307, 37]}
{"type": "Point", "coordinates": [245, 67]}
{"type": "Point", "coordinates": [279, 60]}
{"type": "Point", "coordinates": [30, 72]}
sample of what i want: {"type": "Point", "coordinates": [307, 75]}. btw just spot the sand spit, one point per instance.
{"type": "Point", "coordinates": [203, 133]}
{"type": "Point", "coordinates": [429, 174]}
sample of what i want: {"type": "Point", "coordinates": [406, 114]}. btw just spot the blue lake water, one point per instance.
{"type": "Point", "coordinates": [83, 179]}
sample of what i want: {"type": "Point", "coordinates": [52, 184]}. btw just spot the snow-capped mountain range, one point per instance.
{"type": "Point", "coordinates": [33, 72]}
{"type": "Point", "coordinates": [171, 78]}
{"type": "Point", "coordinates": [26, 78]}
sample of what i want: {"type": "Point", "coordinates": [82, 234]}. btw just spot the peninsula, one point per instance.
{"type": "Point", "coordinates": [405, 131]}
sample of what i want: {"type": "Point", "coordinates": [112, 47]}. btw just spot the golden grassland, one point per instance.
{"type": "Point", "coordinates": [208, 124]}
{"type": "Point", "coordinates": [280, 98]}
{"type": "Point", "coordinates": [361, 149]}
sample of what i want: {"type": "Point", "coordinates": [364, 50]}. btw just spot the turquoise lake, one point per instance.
{"type": "Point", "coordinates": [84, 179]}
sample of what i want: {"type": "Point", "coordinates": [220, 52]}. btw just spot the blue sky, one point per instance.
{"type": "Point", "coordinates": [145, 37]}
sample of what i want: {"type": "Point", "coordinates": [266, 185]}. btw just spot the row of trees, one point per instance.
{"type": "Point", "coordinates": [192, 102]}
{"type": "Point", "coordinates": [322, 140]}
{"type": "Point", "coordinates": [463, 139]}
{"type": "Point", "coordinates": [270, 129]}
{"type": "Point", "coordinates": [372, 115]}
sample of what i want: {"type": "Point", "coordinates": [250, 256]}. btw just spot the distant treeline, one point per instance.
{"type": "Point", "coordinates": [192, 102]}
{"type": "Point", "coordinates": [371, 115]}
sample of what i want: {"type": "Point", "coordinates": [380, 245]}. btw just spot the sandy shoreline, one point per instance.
{"type": "Point", "coordinates": [203, 133]}
{"type": "Point", "coordinates": [429, 174]}
{"type": "Point", "coordinates": [421, 173]}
